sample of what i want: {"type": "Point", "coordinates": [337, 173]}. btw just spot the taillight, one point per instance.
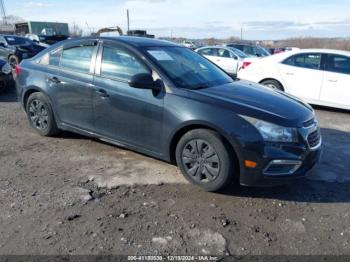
{"type": "Point", "coordinates": [246, 64]}
{"type": "Point", "coordinates": [18, 70]}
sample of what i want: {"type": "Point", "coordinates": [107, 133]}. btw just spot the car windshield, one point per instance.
{"type": "Point", "coordinates": [186, 68]}
{"type": "Point", "coordinates": [263, 51]}
{"type": "Point", "coordinates": [13, 40]}
{"type": "Point", "coordinates": [238, 52]}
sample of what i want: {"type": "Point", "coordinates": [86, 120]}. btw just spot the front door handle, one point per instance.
{"type": "Point", "coordinates": [290, 74]}
{"type": "Point", "coordinates": [332, 80]}
{"type": "Point", "coordinates": [102, 93]}
{"type": "Point", "coordinates": [54, 79]}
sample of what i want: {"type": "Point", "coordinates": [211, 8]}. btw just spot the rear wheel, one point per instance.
{"type": "Point", "coordinates": [273, 84]}
{"type": "Point", "coordinates": [204, 159]}
{"type": "Point", "coordinates": [13, 61]}
{"type": "Point", "coordinates": [40, 115]}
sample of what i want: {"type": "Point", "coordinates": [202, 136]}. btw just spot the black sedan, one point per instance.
{"type": "Point", "coordinates": [14, 49]}
{"type": "Point", "coordinates": [168, 102]}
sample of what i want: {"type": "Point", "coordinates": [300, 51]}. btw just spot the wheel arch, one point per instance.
{"type": "Point", "coordinates": [273, 79]}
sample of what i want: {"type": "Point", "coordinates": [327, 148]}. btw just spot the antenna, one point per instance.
{"type": "Point", "coordinates": [3, 11]}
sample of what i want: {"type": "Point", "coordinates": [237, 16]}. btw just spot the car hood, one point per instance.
{"type": "Point", "coordinates": [249, 99]}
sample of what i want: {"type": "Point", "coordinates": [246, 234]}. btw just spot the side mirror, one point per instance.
{"type": "Point", "coordinates": [142, 81]}
{"type": "Point", "coordinates": [2, 45]}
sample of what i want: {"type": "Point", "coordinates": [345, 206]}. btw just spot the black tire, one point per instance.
{"type": "Point", "coordinates": [40, 115]}
{"type": "Point", "coordinates": [13, 61]}
{"type": "Point", "coordinates": [273, 84]}
{"type": "Point", "coordinates": [212, 168]}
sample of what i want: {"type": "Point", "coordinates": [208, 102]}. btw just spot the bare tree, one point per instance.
{"type": "Point", "coordinates": [75, 30]}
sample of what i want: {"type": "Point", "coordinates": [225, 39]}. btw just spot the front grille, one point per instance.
{"type": "Point", "coordinates": [314, 138]}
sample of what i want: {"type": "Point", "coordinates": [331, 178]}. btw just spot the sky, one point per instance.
{"type": "Point", "coordinates": [258, 19]}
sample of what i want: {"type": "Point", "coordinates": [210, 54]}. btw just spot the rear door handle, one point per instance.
{"type": "Point", "coordinates": [102, 93]}
{"type": "Point", "coordinates": [290, 74]}
{"type": "Point", "coordinates": [332, 80]}
{"type": "Point", "coordinates": [54, 80]}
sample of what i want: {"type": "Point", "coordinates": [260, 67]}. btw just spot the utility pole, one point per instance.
{"type": "Point", "coordinates": [242, 32]}
{"type": "Point", "coordinates": [3, 10]}
{"type": "Point", "coordinates": [128, 19]}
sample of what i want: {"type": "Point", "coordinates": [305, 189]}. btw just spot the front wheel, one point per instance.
{"type": "Point", "coordinates": [40, 115]}
{"type": "Point", "coordinates": [204, 159]}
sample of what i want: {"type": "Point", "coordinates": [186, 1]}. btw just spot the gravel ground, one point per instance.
{"type": "Point", "coordinates": [74, 195]}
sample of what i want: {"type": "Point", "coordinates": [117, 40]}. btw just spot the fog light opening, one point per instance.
{"type": "Point", "coordinates": [282, 167]}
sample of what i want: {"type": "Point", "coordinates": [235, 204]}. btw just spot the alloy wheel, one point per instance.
{"type": "Point", "coordinates": [38, 114]}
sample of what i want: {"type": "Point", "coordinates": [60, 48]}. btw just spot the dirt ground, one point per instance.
{"type": "Point", "coordinates": [74, 195]}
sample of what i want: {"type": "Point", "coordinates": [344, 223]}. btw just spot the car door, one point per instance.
{"type": "Point", "coordinates": [71, 87]}
{"type": "Point", "coordinates": [302, 75]}
{"type": "Point", "coordinates": [123, 113]}
{"type": "Point", "coordinates": [336, 83]}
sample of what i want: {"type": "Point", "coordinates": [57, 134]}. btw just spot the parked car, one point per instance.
{"type": "Point", "coordinates": [5, 74]}
{"type": "Point", "coordinates": [228, 58]}
{"type": "Point", "coordinates": [279, 50]}
{"type": "Point", "coordinates": [168, 102]}
{"type": "Point", "coordinates": [319, 76]}
{"type": "Point", "coordinates": [189, 44]}
{"type": "Point", "coordinates": [46, 40]}
{"type": "Point", "coordinates": [15, 48]}
{"type": "Point", "coordinates": [250, 49]}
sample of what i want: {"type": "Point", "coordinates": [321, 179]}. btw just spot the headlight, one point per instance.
{"type": "Point", "coordinates": [273, 133]}
{"type": "Point", "coordinates": [6, 69]}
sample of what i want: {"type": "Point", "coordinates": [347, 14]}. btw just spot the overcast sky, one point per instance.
{"type": "Point", "coordinates": [260, 19]}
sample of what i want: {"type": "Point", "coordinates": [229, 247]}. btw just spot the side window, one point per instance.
{"type": "Point", "coordinates": [224, 53]}
{"type": "Point", "coordinates": [77, 58]}
{"type": "Point", "coordinates": [118, 63]}
{"type": "Point", "coordinates": [308, 60]}
{"type": "Point", "coordinates": [289, 61]}
{"type": "Point", "coordinates": [55, 57]}
{"type": "Point", "coordinates": [206, 51]}
{"type": "Point", "coordinates": [338, 64]}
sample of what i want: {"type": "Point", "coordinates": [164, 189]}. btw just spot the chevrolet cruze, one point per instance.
{"type": "Point", "coordinates": [168, 102]}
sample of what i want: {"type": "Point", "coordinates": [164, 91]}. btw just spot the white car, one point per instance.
{"type": "Point", "coordinates": [189, 44]}
{"type": "Point", "coordinates": [318, 76]}
{"type": "Point", "coordinates": [229, 59]}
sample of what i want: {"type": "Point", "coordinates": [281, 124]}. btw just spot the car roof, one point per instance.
{"type": "Point", "coordinates": [326, 51]}
{"type": "Point", "coordinates": [139, 41]}
{"type": "Point", "coordinates": [243, 43]}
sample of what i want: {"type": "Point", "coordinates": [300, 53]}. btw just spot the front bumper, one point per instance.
{"type": "Point", "coordinates": [256, 177]}
{"type": "Point", "coordinates": [279, 163]}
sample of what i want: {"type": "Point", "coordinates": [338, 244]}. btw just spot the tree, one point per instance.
{"type": "Point", "coordinates": [75, 30]}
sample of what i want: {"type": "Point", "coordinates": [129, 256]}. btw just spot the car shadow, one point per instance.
{"type": "Point", "coordinates": [328, 182]}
